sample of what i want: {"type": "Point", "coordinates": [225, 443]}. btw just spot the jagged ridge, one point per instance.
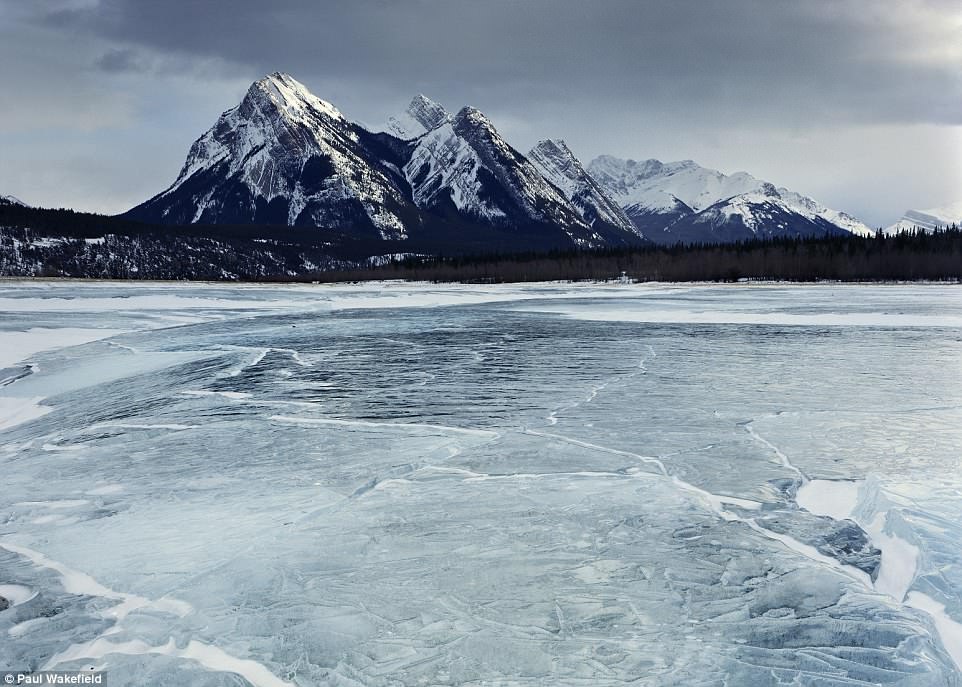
{"type": "Point", "coordinates": [559, 166]}
{"type": "Point", "coordinates": [664, 198]}
{"type": "Point", "coordinates": [282, 156]}
{"type": "Point", "coordinates": [928, 220]}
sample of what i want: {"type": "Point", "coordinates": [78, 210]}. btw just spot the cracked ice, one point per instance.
{"type": "Point", "coordinates": [396, 484]}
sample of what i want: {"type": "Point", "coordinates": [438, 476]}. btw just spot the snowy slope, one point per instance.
{"type": "Point", "coordinates": [283, 156]}
{"type": "Point", "coordinates": [651, 188]}
{"type": "Point", "coordinates": [12, 200]}
{"type": "Point", "coordinates": [654, 184]}
{"type": "Point", "coordinates": [757, 214]}
{"type": "Point", "coordinates": [464, 166]}
{"type": "Point", "coordinates": [421, 116]}
{"type": "Point", "coordinates": [443, 166]}
{"type": "Point", "coordinates": [928, 219]}
{"type": "Point", "coordinates": [559, 166]}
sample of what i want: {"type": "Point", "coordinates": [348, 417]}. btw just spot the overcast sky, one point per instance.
{"type": "Point", "coordinates": [855, 102]}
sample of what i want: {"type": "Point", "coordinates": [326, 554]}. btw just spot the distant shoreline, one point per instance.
{"type": "Point", "coordinates": [43, 243]}
{"type": "Point", "coordinates": [6, 279]}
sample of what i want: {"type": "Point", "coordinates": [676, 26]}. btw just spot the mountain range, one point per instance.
{"type": "Point", "coordinates": [928, 219]}
{"type": "Point", "coordinates": [283, 156]}
{"type": "Point", "coordinates": [674, 202]}
{"type": "Point", "coordinates": [11, 200]}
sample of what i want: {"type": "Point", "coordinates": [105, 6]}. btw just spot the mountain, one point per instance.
{"type": "Point", "coordinates": [559, 165]}
{"type": "Point", "coordinates": [51, 242]}
{"type": "Point", "coordinates": [757, 214]}
{"type": "Point", "coordinates": [12, 200]}
{"type": "Point", "coordinates": [437, 182]}
{"type": "Point", "coordinates": [928, 219]}
{"type": "Point", "coordinates": [464, 168]}
{"type": "Point", "coordinates": [664, 199]}
{"type": "Point", "coordinates": [421, 115]}
{"type": "Point", "coordinates": [283, 156]}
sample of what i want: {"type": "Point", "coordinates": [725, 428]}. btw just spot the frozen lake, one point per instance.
{"type": "Point", "coordinates": [391, 484]}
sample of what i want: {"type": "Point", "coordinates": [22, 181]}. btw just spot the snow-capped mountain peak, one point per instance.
{"type": "Point", "coordinates": [291, 97]}
{"type": "Point", "coordinates": [522, 181]}
{"type": "Point", "coordinates": [283, 156]}
{"type": "Point", "coordinates": [12, 200]}
{"type": "Point", "coordinates": [762, 213]}
{"type": "Point", "coordinates": [465, 163]}
{"type": "Point", "coordinates": [655, 194]}
{"type": "Point", "coordinates": [559, 165]}
{"type": "Point", "coordinates": [654, 184]}
{"type": "Point", "coordinates": [474, 116]}
{"type": "Point", "coordinates": [422, 115]}
{"type": "Point", "coordinates": [928, 220]}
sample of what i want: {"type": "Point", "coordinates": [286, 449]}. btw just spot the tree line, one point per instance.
{"type": "Point", "coordinates": [46, 242]}
{"type": "Point", "coordinates": [908, 255]}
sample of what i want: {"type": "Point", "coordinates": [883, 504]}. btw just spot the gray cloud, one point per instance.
{"type": "Point", "coordinates": [841, 59]}
{"type": "Point", "coordinates": [682, 78]}
{"type": "Point", "coordinates": [121, 60]}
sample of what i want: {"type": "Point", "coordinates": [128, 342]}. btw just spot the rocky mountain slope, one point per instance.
{"type": "Point", "coordinates": [422, 115]}
{"type": "Point", "coordinates": [11, 200]}
{"type": "Point", "coordinates": [928, 219]}
{"type": "Point", "coordinates": [665, 200]}
{"type": "Point", "coordinates": [285, 157]}
{"type": "Point", "coordinates": [559, 166]}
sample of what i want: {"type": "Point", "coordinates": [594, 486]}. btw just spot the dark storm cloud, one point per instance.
{"type": "Point", "coordinates": [849, 60]}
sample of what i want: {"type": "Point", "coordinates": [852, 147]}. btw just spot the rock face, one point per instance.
{"type": "Point", "coordinates": [286, 157]}
{"type": "Point", "coordinates": [559, 165]}
{"type": "Point", "coordinates": [463, 167]}
{"type": "Point", "coordinates": [283, 156]}
{"type": "Point", "coordinates": [421, 116]}
{"type": "Point", "coordinates": [673, 202]}
{"type": "Point", "coordinates": [12, 200]}
{"type": "Point", "coordinates": [928, 220]}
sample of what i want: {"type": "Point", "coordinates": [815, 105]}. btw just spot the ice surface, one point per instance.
{"type": "Point", "coordinates": [404, 484]}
